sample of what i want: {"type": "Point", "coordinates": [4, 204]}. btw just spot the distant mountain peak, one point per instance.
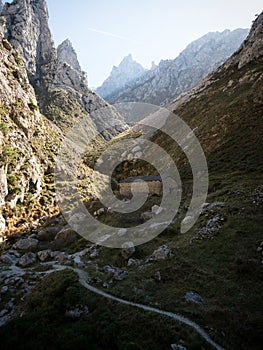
{"type": "Point", "coordinates": [171, 78]}
{"type": "Point", "coordinates": [125, 72]}
{"type": "Point", "coordinates": [67, 54]}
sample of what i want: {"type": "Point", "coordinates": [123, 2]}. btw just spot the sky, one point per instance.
{"type": "Point", "coordinates": [103, 32]}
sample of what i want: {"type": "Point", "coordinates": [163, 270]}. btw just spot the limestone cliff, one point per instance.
{"type": "Point", "coordinates": [28, 142]}
{"type": "Point", "coordinates": [62, 90]}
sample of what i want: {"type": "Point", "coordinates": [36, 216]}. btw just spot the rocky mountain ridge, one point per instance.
{"type": "Point", "coordinates": [173, 77]}
{"type": "Point", "coordinates": [62, 90]}
{"type": "Point", "coordinates": [127, 71]}
{"type": "Point", "coordinates": [66, 53]}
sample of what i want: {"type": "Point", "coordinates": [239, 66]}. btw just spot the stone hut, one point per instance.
{"type": "Point", "coordinates": [154, 185]}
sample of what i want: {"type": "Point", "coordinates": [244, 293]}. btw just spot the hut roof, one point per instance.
{"type": "Point", "coordinates": [141, 178]}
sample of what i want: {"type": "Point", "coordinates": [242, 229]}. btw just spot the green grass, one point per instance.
{"type": "Point", "coordinates": [107, 326]}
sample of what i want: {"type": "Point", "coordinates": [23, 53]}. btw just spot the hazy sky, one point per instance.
{"type": "Point", "coordinates": [104, 31]}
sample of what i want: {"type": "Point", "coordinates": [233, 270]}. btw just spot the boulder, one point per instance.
{"type": "Point", "coordinates": [9, 258]}
{"type": "Point", "coordinates": [177, 347]}
{"type": "Point", "coordinates": [27, 259]}
{"type": "Point", "coordinates": [26, 244]}
{"type": "Point", "coordinates": [156, 209]}
{"type": "Point", "coordinates": [77, 312]}
{"type": "Point", "coordinates": [49, 233]}
{"type": "Point", "coordinates": [128, 249]}
{"type": "Point", "coordinates": [44, 255]}
{"type": "Point", "coordinates": [157, 276]}
{"type": "Point", "coordinates": [193, 297]}
{"type": "Point", "coordinates": [120, 274]}
{"type": "Point", "coordinates": [66, 237]}
{"type": "Point", "coordinates": [133, 262]}
{"type": "Point", "coordinates": [162, 253]}
{"type": "Point", "coordinates": [147, 215]}
{"type": "Point", "coordinates": [109, 270]}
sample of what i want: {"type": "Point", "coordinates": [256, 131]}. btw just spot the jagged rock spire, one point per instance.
{"type": "Point", "coordinates": [67, 54]}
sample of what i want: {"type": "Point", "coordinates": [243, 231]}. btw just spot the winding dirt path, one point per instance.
{"type": "Point", "coordinates": [83, 277]}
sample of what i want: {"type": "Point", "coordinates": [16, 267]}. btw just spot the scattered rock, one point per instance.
{"type": "Point", "coordinates": [194, 298]}
{"type": "Point", "coordinates": [9, 258]}
{"type": "Point", "coordinates": [147, 215]}
{"type": "Point", "coordinates": [76, 313]}
{"type": "Point", "coordinates": [133, 262]}
{"type": "Point", "coordinates": [26, 244]}
{"type": "Point", "coordinates": [78, 263]}
{"type": "Point", "coordinates": [100, 211]}
{"type": "Point", "coordinates": [177, 347]}
{"type": "Point", "coordinates": [156, 209]}
{"type": "Point", "coordinates": [162, 253]}
{"type": "Point", "coordinates": [63, 258]}
{"type": "Point", "coordinates": [4, 289]}
{"type": "Point", "coordinates": [128, 249]}
{"type": "Point", "coordinates": [212, 225]}
{"type": "Point", "coordinates": [211, 206]}
{"type": "Point", "coordinates": [94, 254]}
{"type": "Point", "coordinates": [157, 276]}
{"type": "Point", "coordinates": [109, 270]}
{"type": "Point", "coordinates": [49, 233]}
{"type": "Point", "coordinates": [66, 237]}
{"type": "Point", "coordinates": [27, 259]}
{"type": "Point", "coordinates": [54, 254]}
{"type": "Point", "coordinates": [44, 255]}
{"type": "Point", "coordinates": [120, 274]}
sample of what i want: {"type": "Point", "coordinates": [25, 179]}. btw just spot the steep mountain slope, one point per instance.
{"type": "Point", "coordinates": [173, 77]}
{"type": "Point", "coordinates": [227, 108]}
{"type": "Point", "coordinates": [28, 142]}
{"type": "Point", "coordinates": [62, 90]}
{"type": "Point", "coordinates": [127, 71]}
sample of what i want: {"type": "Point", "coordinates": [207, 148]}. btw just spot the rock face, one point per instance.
{"type": "Point", "coordinates": [66, 53]}
{"type": "Point", "coordinates": [23, 161]}
{"type": "Point", "coordinates": [171, 78]}
{"type": "Point", "coordinates": [61, 87]}
{"type": "Point", "coordinates": [126, 72]}
{"type": "Point", "coordinates": [35, 78]}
